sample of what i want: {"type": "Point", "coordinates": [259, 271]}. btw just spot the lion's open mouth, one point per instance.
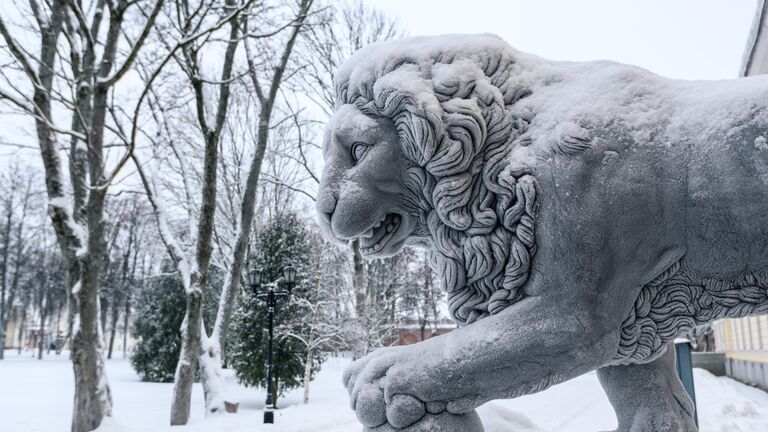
{"type": "Point", "coordinates": [379, 235]}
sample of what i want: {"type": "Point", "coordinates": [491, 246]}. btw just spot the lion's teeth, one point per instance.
{"type": "Point", "coordinates": [390, 227]}
{"type": "Point", "coordinates": [368, 234]}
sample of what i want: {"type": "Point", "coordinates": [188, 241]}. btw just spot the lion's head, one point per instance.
{"type": "Point", "coordinates": [417, 152]}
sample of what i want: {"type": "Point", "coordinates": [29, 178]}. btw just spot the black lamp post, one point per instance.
{"type": "Point", "coordinates": [288, 280]}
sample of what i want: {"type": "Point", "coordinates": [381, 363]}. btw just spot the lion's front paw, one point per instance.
{"type": "Point", "coordinates": [366, 380]}
{"type": "Point", "coordinates": [389, 391]}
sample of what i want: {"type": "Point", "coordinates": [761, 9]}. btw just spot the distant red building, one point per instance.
{"type": "Point", "coordinates": [411, 331]}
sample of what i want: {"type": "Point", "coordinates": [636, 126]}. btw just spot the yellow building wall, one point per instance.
{"type": "Point", "coordinates": [10, 332]}
{"type": "Point", "coordinates": [742, 334]}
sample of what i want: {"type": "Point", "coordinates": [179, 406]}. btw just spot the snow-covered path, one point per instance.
{"type": "Point", "coordinates": [36, 396]}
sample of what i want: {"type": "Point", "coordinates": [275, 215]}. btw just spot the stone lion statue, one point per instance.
{"type": "Point", "coordinates": [580, 215]}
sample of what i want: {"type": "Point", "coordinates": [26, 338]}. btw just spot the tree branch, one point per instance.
{"type": "Point", "coordinates": [110, 81]}
{"type": "Point", "coordinates": [19, 55]}
{"type": "Point", "coordinates": [148, 85]}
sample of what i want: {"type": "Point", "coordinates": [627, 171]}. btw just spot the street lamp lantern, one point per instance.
{"type": "Point", "coordinates": [254, 279]}
{"type": "Point", "coordinates": [289, 275]}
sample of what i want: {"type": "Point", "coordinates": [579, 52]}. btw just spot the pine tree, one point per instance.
{"type": "Point", "coordinates": [284, 241]}
{"type": "Point", "coordinates": [158, 320]}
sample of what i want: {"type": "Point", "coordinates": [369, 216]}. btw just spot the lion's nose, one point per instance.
{"type": "Point", "coordinates": [325, 206]}
{"type": "Point", "coordinates": [325, 217]}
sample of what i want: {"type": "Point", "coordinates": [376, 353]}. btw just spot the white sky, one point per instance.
{"type": "Point", "coordinates": [688, 39]}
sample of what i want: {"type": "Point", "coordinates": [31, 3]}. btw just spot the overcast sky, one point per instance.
{"type": "Point", "coordinates": [689, 39]}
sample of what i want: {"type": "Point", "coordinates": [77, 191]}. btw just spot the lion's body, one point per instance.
{"type": "Point", "coordinates": [580, 215]}
{"type": "Point", "coordinates": [670, 173]}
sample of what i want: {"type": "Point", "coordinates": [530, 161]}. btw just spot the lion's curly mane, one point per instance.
{"type": "Point", "coordinates": [453, 110]}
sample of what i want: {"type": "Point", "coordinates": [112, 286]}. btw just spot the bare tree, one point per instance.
{"type": "Point", "coordinates": [346, 27]}
{"type": "Point", "coordinates": [138, 276]}
{"type": "Point", "coordinates": [198, 349]}
{"type": "Point", "coordinates": [205, 190]}
{"type": "Point", "coordinates": [43, 292]}
{"type": "Point", "coordinates": [267, 98]}
{"type": "Point", "coordinates": [9, 197]}
{"type": "Point", "coordinates": [192, 329]}
{"type": "Point", "coordinates": [78, 219]}
{"type": "Point", "coordinates": [388, 282]}
{"type": "Point", "coordinates": [127, 245]}
{"type": "Point", "coordinates": [320, 329]}
{"type": "Point", "coordinates": [421, 300]}
{"type": "Point", "coordinates": [16, 189]}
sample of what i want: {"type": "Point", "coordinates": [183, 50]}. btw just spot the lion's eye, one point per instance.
{"type": "Point", "coordinates": [358, 151]}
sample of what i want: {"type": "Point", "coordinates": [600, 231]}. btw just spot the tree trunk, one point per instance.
{"type": "Point", "coordinates": [58, 320]}
{"type": "Point", "coordinates": [4, 323]}
{"type": "Point", "coordinates": [2, 338]}
{"type": "Point", "coordinates": [358, 279]}
{"type": "Point", "coordinates": [113, 327]}
{"type": "Point", "coordinates": [307, 374]}
{"type": "Point", "coordinates": [104, 304]}
{"type": "Point", "coordinates": [188, 357]}
{"type": "Point", "coordinates": [361, 295]}
{"type": "Point", "coordinates": [42, 307]}
{"type": "Point", "coordinates": [4, 327]}
{"type": "Point", "coordinates": [121, 294]}
{"type": "Point", "coordinates": [129, 297]}
{"type": "Point", "coordinates": [73, 277]}
{"type": "Point", "coordinates": [41, 337]}
{"type": "Point", "coordinates": [93, 398]}
{"type": "Point", "coordinates": [274, 388]}
{"type": "Point", "coordinates": [428, 298]}
{"type": "Point", "coordinates": [126, 318]}
{"type": "Point", "coordinates": [4, 275]}
{"type": "Point", "coordinates": [214, 384]}
{"type": "Point", "coordinates": [22, 321]}
{"type": "Point", "coordinates": [13, 291]}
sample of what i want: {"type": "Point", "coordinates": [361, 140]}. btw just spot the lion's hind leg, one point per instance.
{"type": "Point", "coordinates": [649, 397]}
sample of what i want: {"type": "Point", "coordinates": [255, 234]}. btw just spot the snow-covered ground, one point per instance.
{"type": "Point", "coordinates": [36, 396]}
